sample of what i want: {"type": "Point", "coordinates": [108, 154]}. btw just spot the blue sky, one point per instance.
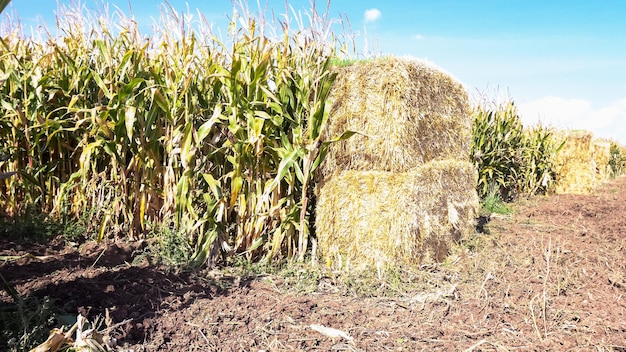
{"type": "Point", "coordinates": [562, 62]}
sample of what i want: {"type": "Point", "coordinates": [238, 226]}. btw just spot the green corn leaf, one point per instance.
{"type": "Point", "coordinates": [125, 63]}
{"type": "Point", "coordinates": [285, 165]}
{"type": "Point", "coordinates": [3, 4]}
{"type": "Point", "coordinates": [206, 127]}
{"type": "Point", "coordinates": [103, 226]}
{"type": "Point", "coordinates": [110, 148]}
{"type": "Point", "coordinates": [262, 115]}
{"type": "Point", "coordinates": [28, 177]}
{"type": "Point", "coordinates": [325, 145]}
{"type": "Point", "coordinates": [160, 100]}
{"type": "Point", "coordinates": [7, 106]}
{"type": "Point", "coordinates": [101, 85]}
{"type": "Point", "coordinates": [256, 126]}
{"type": "Point", "coordinates": [127, 89]}
{"type": "Point", "coordinates": [204, 248]}
{"type": "Point", "coordinates": [129, 121]}
{"type": "Point", "coordinates": [214, 186]}
{"type": "Point", "coordinates": [104, 51]}
{"type": "Point", "coordinates": [187, 151]}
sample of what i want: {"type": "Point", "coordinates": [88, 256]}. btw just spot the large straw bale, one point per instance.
{"type": "Point", "coordinates": [380, 219]}
{"type": "Point", "coordinates": [576, 169]}
{"type": "Point", "coordinates": [406, 111]}
{"type": "Point", "coordinates": [601, 149]}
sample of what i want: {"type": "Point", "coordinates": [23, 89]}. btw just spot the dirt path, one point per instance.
{"type": "Point", "coordinates": [550, 277]}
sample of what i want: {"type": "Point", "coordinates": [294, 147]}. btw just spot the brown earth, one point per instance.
{"type": "Point", "coordinates": [550, 277]}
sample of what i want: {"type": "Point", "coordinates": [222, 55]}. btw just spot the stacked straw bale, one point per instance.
{"type": "Point", "coordinates": [576, 168]}
{"type": "Point", "coordinates": [400, 191]}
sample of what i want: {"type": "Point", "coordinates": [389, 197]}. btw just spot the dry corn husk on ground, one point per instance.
{"type": "Point", "coordinates": [55, 341]}
{"type": "Point", "coordinates": [399, 192]}
{"type": "Point", "coordinates": [92, 339]}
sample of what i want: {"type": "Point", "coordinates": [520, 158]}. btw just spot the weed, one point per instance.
{"type": "Point", "coordinates": [26, 323]}
{"type": "Point", "coordinates": [337, 62]}
{"type": "Point", "coordinates": [168, 247]}
{"type": "Point", "coordinates": [492, 203]}
{"type": "Point", "coordinates": [30, 226]}
{"type": "Point", "coordinates": [38, 226]}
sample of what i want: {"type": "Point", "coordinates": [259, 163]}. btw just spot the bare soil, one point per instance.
{"type": "Point", "coordinates": [552, 276]}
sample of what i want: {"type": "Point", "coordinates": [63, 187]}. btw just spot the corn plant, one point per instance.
{"type": "Point", "coordinates": [617, 161]}
{"type": "Point", "coordinates": [509, 157]}
{"type": "Point", "coordinates": [271, 122]}
{"type": "Point", "coordinates": [540, 169]}
{"type": "Point", "coordinates": [497, 149]}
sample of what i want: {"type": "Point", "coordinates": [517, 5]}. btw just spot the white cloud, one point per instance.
{"type": "Point", "coordinates": [417, 37]}
{"type": "Point", "coordinates": [608, 121]}
{"type": "Point", "coordinates": [556, 111]}
{"type": "Point", "coordinates": [372, 15]}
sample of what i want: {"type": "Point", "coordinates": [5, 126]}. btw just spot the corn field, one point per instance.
{"type": "Point", "coordinates": [512, 159]}
{"type": "Point", "coordinates": [217, 138]}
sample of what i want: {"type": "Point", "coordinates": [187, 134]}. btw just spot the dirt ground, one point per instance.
{"type": "Point", "coordinates": [552, 276]}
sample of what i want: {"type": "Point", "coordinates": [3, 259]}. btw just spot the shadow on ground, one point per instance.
{"type": "Point", "coordinates": [97, 278]}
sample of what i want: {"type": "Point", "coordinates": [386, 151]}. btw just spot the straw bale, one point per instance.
{"type": "Point", "coordinates": [576, 169]}
{"type": "Point", "coordinates": [576, 178]}
{"type": "Point", "coordinates": [380, 219]}
{"type": "Point", "coordinates": [406, 111]}
{"type": "Point", "coordinates": [601, 149]}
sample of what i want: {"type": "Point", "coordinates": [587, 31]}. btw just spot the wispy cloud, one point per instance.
{"type": "Point", "coordinates": [606, 121]}
{"type": "Point", "coordinates": [417, 37]}
{"type": "Point", "coordinates": [372, 15]}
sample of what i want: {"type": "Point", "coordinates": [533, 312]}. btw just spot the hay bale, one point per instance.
{"type": "Point", "coordinates": [601, 150]}
{"type": "Point", "coordinates": [576, 169]}
{"type": "Point", "coordinates": [408, 113]}
{"type": "Point", "coordinates": [379, 219]}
